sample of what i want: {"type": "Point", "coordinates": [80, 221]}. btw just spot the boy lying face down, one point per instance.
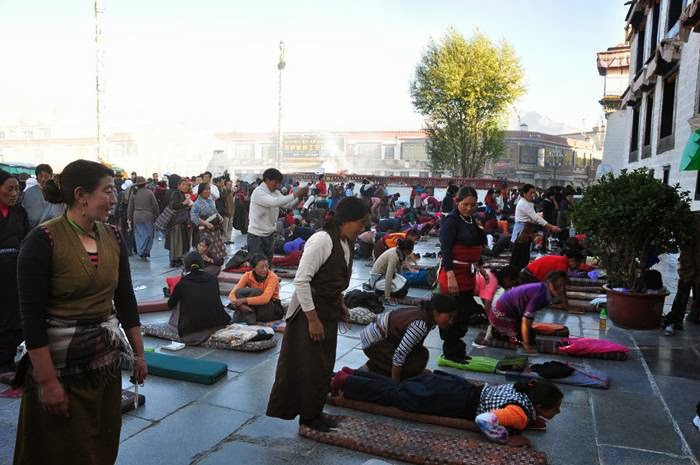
{"type": "Point", "coordinates": [496, 409]}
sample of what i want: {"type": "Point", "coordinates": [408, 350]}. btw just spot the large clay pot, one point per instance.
{"type": "Point", "coordinates": [632, 310]}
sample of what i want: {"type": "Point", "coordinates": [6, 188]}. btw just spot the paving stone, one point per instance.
{"type": "Point", "coordinates": [681, 396]}
{"type": "Point", "coordinates": [569, 431]}
{"type": "Point", "coordinates": [248, 393]}
{"type": "Point", "coordinates": [164, 396]}
{"type": "Point", "coordinates": [353, 359]}
{"type": "Point", "coordinates": [182, 436]}
{"type": "Point", "coordinates": [277, 434]}
{"type": "Point", "coordinates": [666, 361]}
{"type": "Point", "coordinates": [634, 420]}
{"type": "Point", "coordinates": [627, 376]}
{"type": "Point", "coordinates": [240, 361]}
{"type": "Point", "coordinates": [248, 453]}
{"type": "Point", "coordinates": [610, 455]}
{"type": "Point", "coordinates": [132, 425]}
{"type": "Point", "coordinates": [8, 433]}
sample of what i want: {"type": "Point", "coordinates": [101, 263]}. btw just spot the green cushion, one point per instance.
{"type": "Point", "coordinates": [184, 368]}
{"type": "Point", "coordinates": [477, 363]}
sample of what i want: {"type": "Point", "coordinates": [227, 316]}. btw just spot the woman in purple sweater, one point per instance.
{"type": "Point", "coordinates": [514, 312]}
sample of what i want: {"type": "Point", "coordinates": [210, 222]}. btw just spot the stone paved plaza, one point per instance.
{"type": "Point", "coordinates": [644, 419]}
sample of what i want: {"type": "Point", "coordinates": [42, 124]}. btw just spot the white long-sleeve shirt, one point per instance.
{"type": "Point", "coordinates": [525, 213]}
{"type": "Point", "coordinates": [265, 208]}
{"type": "Point", "coordinates": [316, 251]}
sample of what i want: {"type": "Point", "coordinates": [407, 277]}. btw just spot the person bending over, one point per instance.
{"type": "Point", "coordinates": [385, 277]}
{"type": "Point", "coordinates": [394, 342]}
{"type": "Point", "coordinates": [514, 312]}
{"type": "Point", "coordinates": [537, 270]}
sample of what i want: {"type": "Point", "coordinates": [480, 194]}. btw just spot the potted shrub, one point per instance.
{"type": "Point", "coordinates": [629, 218]}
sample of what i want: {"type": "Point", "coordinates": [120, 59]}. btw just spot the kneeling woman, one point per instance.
{"type": "Point", "coordinates": [394, 343]}
{"type": "Point", "coordinates": [494, 408]}
{"type": "Point", "coordinates": [385, 276]}
{"type": "Point", "coordinates": [256, 296]}
{"type": "Point", "coordinates": [512, 316]}
{"type": "Point", "coordinates": [197, 308]}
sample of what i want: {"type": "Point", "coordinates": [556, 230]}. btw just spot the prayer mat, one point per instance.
{"type": "Point", "coordinates": [577, 306]}
{"type": "Point", "coordinates": [581, 377]}
{"type": "Point", "coordinates": [226, 277]}
{"type": "Point", "coordinates": [546, 346]}
{"type": "Point", "coordinates": [586, 289]}
{"type": "Point", "coordinates": [383, 410]}
{"type": "Point", "coordinates": [585, 282]}
{"type": "Point", "coordinates": [149, 306]}
{"type": "Point", "coordinates": [232, 273]}
{"type": "Point", "coordinates": [550, 329]}
{"type": "Point", "coordinates": [420, 447]}
{"type": "Point", "coordinates": [128, 402]}
{"type": "Point", "coordinates": [165, 331]}
{"type": "Point", "coordinates": [10, 393]}
{"type": "Point", "coordinates": [361, 316]}
{"type": "Point", "coordinates": [277, 326]}
{"type": "Point", "coordinates": [185, 368]}
{"type": "Point", "coordinates": [226, 288]}
{"type": "Point", "coordinates": [476, 363]}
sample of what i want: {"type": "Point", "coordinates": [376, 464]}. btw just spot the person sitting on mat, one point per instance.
{"type": "Point", "coordinates": [494, 408]}
{"type": "Point", "coordinates": [385, 277]}
{"type": "Point", "coordinates": [197, 308]}
{"type": "Point", "coordinates": [256, 296]}
{"type": "Point", "coordinates": [515, 310]}
{"type": "Point", "coordinates": [537, 270]}
{"type": "Point", "coordinates": [212, 263]}
{"type": "Point", "coordinates": [394, 342]}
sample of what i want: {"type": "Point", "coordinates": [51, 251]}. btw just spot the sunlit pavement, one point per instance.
{"type": "Point", "coordinates": [645, 418]}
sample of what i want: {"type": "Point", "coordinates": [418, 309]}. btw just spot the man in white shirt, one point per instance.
{"type": "Point", "coordinates": [265, 203]}
{"type": "Point", "coordinates": [525, 220]}
{"type": "Point", "coordinates": [206, 177]}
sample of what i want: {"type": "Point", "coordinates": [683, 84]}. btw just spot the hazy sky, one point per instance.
{"type": "Point", "coordinates": [211, 64]}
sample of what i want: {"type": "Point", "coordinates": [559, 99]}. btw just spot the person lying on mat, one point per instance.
{"type": "Point", "coordinates": [212, 263]}
{"type": "Point", "coordinates": [495, 409]}
{"type": "Point", "coordinates": [394, 342]}
{"type": "Point", "coordinates": [256, 296]}
{"type": "Point", "coordinates": [385, 277]}
{"type": "Point", "coordinates": [514, 312]}
{"type": "Point", "coordinates": [195, 300]}
{"type": "Point", "coordinates": [537, 270]}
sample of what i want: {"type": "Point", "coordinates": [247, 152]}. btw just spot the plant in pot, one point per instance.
{"type": "Point", "coordinates": [630, 218]}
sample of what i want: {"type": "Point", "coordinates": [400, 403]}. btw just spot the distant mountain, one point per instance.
{"type": "Point", "coordinates": [541, 123]}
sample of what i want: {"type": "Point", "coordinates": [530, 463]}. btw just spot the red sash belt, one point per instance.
{"type": "Point", "coordinates": [462, 256]}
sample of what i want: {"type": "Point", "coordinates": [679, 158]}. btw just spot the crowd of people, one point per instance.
{"type": "Point", "coordinates": [66, 239]}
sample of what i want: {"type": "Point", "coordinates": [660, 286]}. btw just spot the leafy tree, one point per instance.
{"type": "Point", "coordinates": [463, 88]}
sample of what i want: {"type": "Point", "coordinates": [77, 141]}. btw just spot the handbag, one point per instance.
{"type": "Point", "coordinates": [163, 221]}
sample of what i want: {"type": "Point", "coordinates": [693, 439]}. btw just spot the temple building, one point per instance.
{"type": "Point", "coordinates": [660, 107]}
